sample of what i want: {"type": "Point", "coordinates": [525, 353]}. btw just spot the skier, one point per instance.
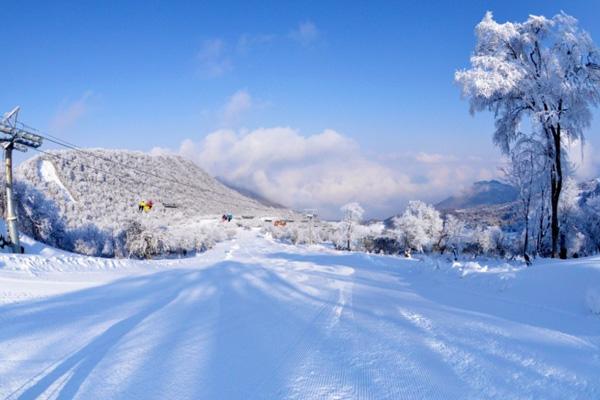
{"type": "Point", "coordinates": [145, 205]}
{"type": "Point", "coordinates": [227, 217]}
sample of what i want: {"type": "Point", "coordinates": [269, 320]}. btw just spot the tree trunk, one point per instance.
{"type": "Point", "coordinates": [526, 241]}
{"type": "Point", "coordinates": [554, 217]}
{"type": "Point", "coordinates": [526, 210]}
{"type": "Point", "coordinates": [348, 236]}
{"type": "Point", "coordinates": [563, 246]}
{"type": "Point", "coordinates": [556, 182]}
{"type": "Point", "coordinates": [541, 230]}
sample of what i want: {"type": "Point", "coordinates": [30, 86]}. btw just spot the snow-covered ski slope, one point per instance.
{"type": "Point", "coordinates": [87, 201]}
{"type": "Point", "coordinates": [257, 319]}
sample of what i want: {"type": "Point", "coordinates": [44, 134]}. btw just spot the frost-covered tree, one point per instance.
{"type": "Point", "coordinates": [527, 168]}
{"type": "Point", "coordinates": [419, 226]}
{"type": "Point", "coordinates": [570, 215]}
{"type": "Point", "coordinates": [543, 70]}
{"type": "Point", "coordinates": [591, 222]}
{"type": "Point", "coordinates": [453, 235]}
{"type": "Point", "coordinates": [353, 214]}
{"type": "Point", "coordinates": [490, 240]}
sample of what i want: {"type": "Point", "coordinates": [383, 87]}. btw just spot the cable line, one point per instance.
{"type": "Point", "coordinates": [74, 147]}
{"type": "Point", "coordinates": [128, 178]}
{"type": "Point", "coordinates": [118, 176]}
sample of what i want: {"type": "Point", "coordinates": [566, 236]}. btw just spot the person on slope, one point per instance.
{"type": "Point", "coordinates": [145, 205]}
{"type": "Point", "coordinates": [148, 206]}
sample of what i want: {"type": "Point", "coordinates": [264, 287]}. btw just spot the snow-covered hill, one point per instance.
{"type": "Point", "coordinates": [482, 193]}
{"type": "Point", "coordinates": [82, 202]}
{"type": "Point", "coordinates": [253, 318]}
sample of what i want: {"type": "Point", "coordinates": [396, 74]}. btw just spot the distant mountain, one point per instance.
{"type": "Point", "coordinates": [485, 202]}
{"type": "Point", "coordinates": [482, 193]}
{"type": "Point", "coordinates": [249, 193]}
{"type": "Point", "coordinates": [489, 203]}
{"type": "Point", "coordinates": [508, 214]}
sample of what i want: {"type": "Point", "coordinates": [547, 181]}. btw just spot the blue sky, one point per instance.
{"type": "Point", "coordinates": [153, 75]}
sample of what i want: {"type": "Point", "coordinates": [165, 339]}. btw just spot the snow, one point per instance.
{"type": "Point", "coordinates": [108, 185]}
{"type": "Point", "coordinates": [48, 174]}
{"type": "Point", "coordinates": [592, 300]}
{"type": "Point", "coordinates": [256, 318]}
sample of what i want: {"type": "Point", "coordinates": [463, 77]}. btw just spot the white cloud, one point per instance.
{"type": "Point", "coordinates": [327, 170]}
{"type": "Point", "coordinates": [306, 33]}
{"type": "Point", "coordinates": [322, 170]}
{"type": "Point", "coordinates": [70, 113]}
{"type": "Point", "coordinates": [585, 161]}
{"type": "Point", "coordinates": [236, 105]}
{"type": "Point", "coordinates": [247, 42]}
{"type": "Point", "coordinates": [216, 56]}
{"type": "Point", "coordinates": [434, 158]}
{"type": "Point", "coordinates": [213, 58]}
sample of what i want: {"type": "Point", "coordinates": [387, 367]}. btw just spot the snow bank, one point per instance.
{"type": "Point", "coordinates": [570, 287]}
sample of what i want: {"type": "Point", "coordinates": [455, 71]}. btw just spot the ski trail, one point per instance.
{"type": "Point", "coordinates": [254, 319]}
{"type": "Point", "coordinates": [48, 174]}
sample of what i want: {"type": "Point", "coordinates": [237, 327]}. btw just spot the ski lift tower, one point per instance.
{"type": "Point", "coordinates": [311, 215]}
{"type": "Point", "coordinates": [13, 137]}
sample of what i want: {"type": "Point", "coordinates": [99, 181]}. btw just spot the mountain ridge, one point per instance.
{"type": "Point", "coordinates": [481, 193]}
{"type": "Point", "coordinates": [87, 201]}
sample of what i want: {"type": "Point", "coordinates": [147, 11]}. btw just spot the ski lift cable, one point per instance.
{"type": "Point", "coordinates": [129, 167]}
{"type": "Point", "coordinates": [120, 163]}
{"type": "Point", "coordinates": [118, 176]}
{"type": "Point", "coordinates": [74, 147]}
{"type": "Point", "coordinates": [126, 166]}
{"type": "Point", "coordinates": [122, 178]}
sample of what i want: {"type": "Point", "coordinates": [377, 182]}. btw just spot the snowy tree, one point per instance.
{"type": "Point", "coordinates": [143, 243]}
{"type": "Point", "coordinates": [527, 167]}
{"type": "Point", "coordinates": [453, 235]}
{"type": "Point", "coordinates": [591, 222]}
{"type": "Point", "coordinates": [543, 70]}
{"type": "Point", "coordinates": [490, 240]}
{"type": "Point", "coordinates": [570, 214]}
{"type": "Point", "coordinates": [353, 214]}
{"type": "Point", "coordinates": [419, 226]}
